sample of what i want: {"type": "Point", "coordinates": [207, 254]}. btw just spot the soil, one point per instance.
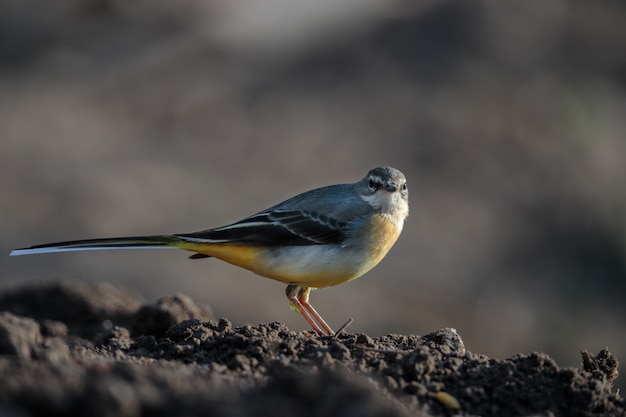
{"type": "Point", "coordinates": [75, 349]}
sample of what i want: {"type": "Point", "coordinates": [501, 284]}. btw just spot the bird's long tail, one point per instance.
{"type": "Point", "coordinates": [136, 242]}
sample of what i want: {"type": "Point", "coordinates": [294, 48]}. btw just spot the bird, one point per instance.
{"type": "Point", "coordinates": [320, 238]}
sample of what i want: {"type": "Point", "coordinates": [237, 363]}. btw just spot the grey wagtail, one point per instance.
{"type": "Point", "coordinates": [323, 237]}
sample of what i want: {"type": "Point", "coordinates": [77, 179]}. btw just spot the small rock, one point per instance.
{"type": "Point", "coordinates": [53, 328]}
{"type": "Point", "coordinates": [155, 319]}
{"type": "Point", "coordinates": [446, 341]}
{"type": "Point", "coordinates": [18, 335]}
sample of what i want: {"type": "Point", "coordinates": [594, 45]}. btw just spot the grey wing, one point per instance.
{"type": "Point", "coordinates": [276, 227]}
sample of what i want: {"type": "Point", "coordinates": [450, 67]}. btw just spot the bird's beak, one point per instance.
{"type": "Point", "coordinates": [391, 187]}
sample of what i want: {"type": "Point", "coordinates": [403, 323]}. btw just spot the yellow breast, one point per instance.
{"type": "Point", "coordinates": [384, 233]}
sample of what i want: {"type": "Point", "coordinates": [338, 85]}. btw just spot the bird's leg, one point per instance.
{"type": "Point", "coordinates": [292, 295]}
{"type": "Point", "coordinates": [303, 296]}
{"type": "Point", "coordinates": [316, 315]}
{"type": "Point", "coordinates": [299, 298]}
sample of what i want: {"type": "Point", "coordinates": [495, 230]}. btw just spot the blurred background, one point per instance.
{"type": "Point", "coordinates": [508, 118]}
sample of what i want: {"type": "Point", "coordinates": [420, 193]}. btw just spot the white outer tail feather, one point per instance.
{"type": "Point", "coordinates": [19, 252]}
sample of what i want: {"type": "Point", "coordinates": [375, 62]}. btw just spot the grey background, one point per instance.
{"type": "Point", "coordinates": [508, 119]}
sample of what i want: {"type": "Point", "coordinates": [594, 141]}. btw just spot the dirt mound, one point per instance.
{"type": "Point", "coordinates": [100, 352]}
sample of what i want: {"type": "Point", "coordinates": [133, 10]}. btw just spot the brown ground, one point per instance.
{"type": "Point", "coordinates": [75, 349]}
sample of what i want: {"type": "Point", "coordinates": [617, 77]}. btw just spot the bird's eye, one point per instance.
{"type": "Point", "coordinates": [404, 187]}
{"type": "Point", "coordinates": [372, 184]}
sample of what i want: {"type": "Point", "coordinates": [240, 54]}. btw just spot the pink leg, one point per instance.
{"type": "Point", "coordinates": [299, 297]}
{"type": "Point", "coordinates": [316, 315]}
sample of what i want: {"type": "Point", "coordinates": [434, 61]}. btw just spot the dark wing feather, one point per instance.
{"type": "Point", "coordinates": [277, 227]}
{"type": "Point", "coordinates": [312, 227]}
{"type": "Point", "coordinates": [199, 256]}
